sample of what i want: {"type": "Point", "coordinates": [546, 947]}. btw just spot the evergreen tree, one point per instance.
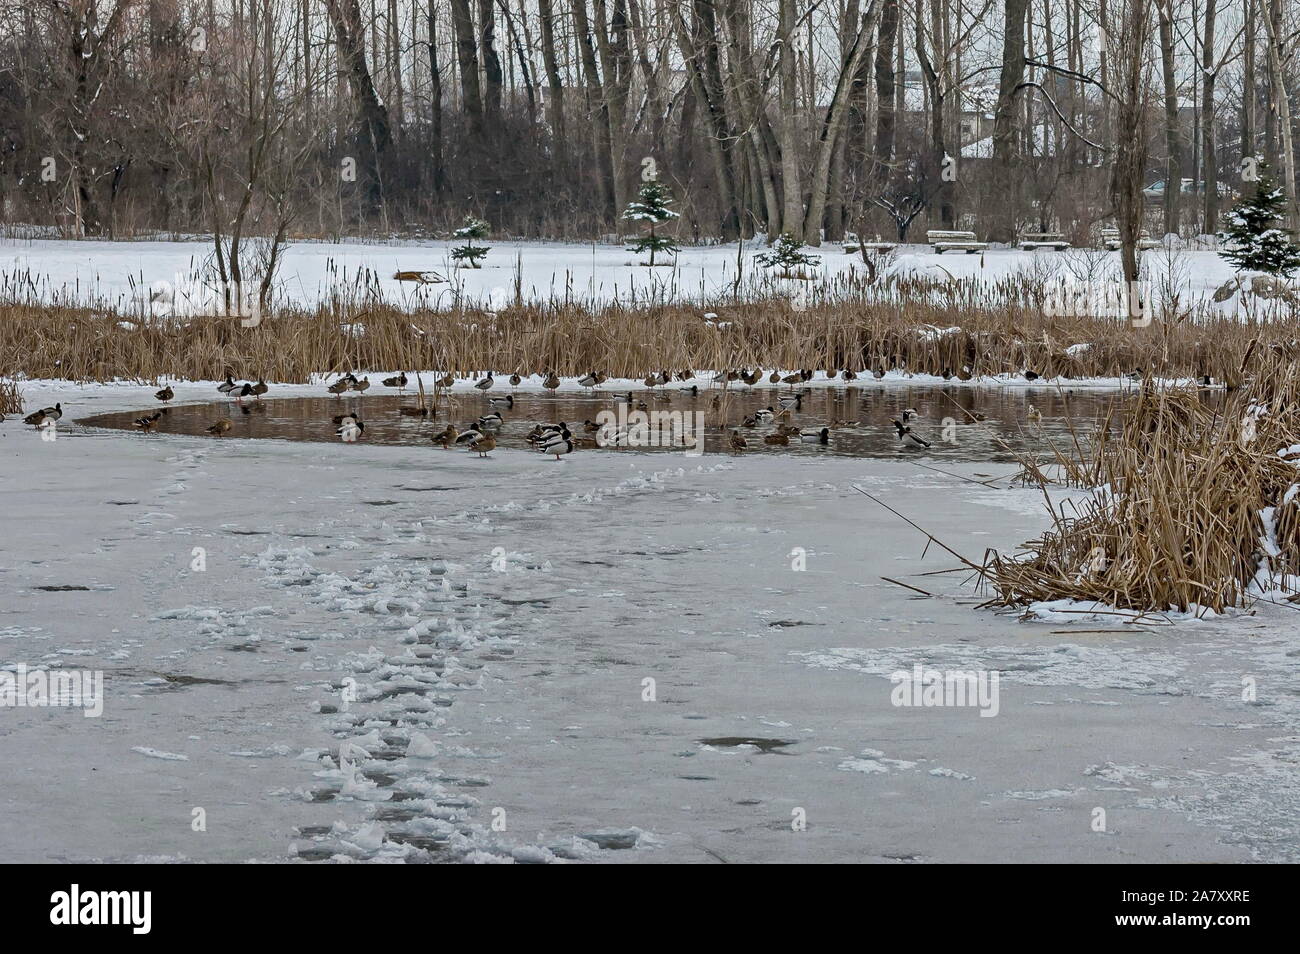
{"type": "Point", "coordinates": [787, 254]}
{"type": "Point", "coordinates": [651, 206]}
{"type": "Point", "coordinates": [1255, 236]}
{"type": "Point", "coordinates": [469, 252]}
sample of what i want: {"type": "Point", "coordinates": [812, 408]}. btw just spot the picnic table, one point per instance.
{"type": "Point", "coordinates": [1033, 240]}
{"type": "Point", "coordinates": [944, 241]}
{"type": "Point", "coordinates": [1110, 239]}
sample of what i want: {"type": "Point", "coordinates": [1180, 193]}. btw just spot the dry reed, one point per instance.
{"type": "Point", "coordinates": [11, 401]}
{"type": "Point", "coordinates": [1193, 504]}
{"type": "Point", "coordinates": [930, 334]}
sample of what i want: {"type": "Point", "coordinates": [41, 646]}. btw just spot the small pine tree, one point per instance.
{"type": "Point", "coordinates": [1256, 240]}
{"type": "Point", "coordinates": [469, 252]}
{"type": "Point", "coordinates": [651, 206]}
{"type": "Point", "coordinates": [787, 254]}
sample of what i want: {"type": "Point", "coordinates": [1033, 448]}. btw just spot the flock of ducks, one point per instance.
{"type": "Point", "coordinates": [556, 439]}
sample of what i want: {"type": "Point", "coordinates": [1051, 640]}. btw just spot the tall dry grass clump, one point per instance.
{"type": "Point", "coordinates": [11, 402]}
{"type": "Point", "coordinates": [1194, 502]}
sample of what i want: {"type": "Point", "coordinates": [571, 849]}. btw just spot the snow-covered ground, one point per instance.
{"type": "Point", "coordinates": [474, 638]}
{"type": "Point", "coordinates": [124, 275]}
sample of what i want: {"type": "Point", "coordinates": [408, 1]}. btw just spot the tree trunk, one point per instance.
{"type": "Point", "coordinates": [462, 23]}
{"type": "Point", "coordinates": [435, 107]}
{"type": "Point", "coordinates": [1006, 154]}
{"type": "Point", "coordinates": [792, 212]}
{"type": "Point", "coordinates": [886, 116]}
{"type": "Point", "coordinates": [1130, 68]}
{"type": "Point", "coordinates": [835, 113]}
{"type": "Point", "coordinates": [1249, 86]}
{"type": "Point", "coordinates": [554, 101]}
{"type": "Point", "coordinates": [1280, 107]}
{"type": "Point", "coordinates": [692, 44]}
{"type": "Point", "coordinates": [596, 98]}
{"type": "Point", "coordinates": [1173, 141]}
{"type": "Point", "coordinates": [1210, 158]}
{"type": "Point", "coordinates": [492, 80]}
{"type": "Point", "coordinates": [373, 134]}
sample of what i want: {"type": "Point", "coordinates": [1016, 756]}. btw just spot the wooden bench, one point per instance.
{"type": "Point", "coordinates": [853, 244]}
{"type": "Point", "coordinates": [1033, 240]}
{"type": "Point", "coordinates": [945, 241]}
{"type": "Point", "coordinates": [1110, 239]}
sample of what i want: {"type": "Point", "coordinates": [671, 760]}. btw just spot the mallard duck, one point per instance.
{"type": "Point", "coordinates": [550, 437]}
{"type": "Point", "coordinates": [243, 391]}
{"type": "Point", "coordinates": [338, 419]}
{"type": "Point", "coordinates": [815, 437]}
{"type": "Point", "coordinates": [752, 379]}
{"type": "Point", "coordinates": [790, 401]}
{"type": "Point", "coordinates": [490, 422]}
{"type": "Point", "coordinates": [591, 427]}
{"type": "Point", "coordinates": [909, 415]}
{"type": "Point", "coordinates": [166, 394]}
{"type": "Point", "coordinates": [589, 380]}
{"type": "Point", "coordinates": [45, 416]}
{"type": "Point", "coordinates": [350, 430]}
{"type": "Point", "coordinates": [750, 421]}
{"type": "Point", "coordinates": [484, 445]}
{"type": "Point", "coordinates": [218, 428]}
{"type": "Point", "coordinates": [559, 448]}
{"type": "Point", "coordinates": [507, 401]}
{"type": "Point", "coordinates": [515, 380]}
{"type": "Point", "coordinates": [148, 422]}
{"type": "Point", "coordinates": [541, 433]}
{"type": "Point", "coordinates": [447, 437]}
{"type": "Point", "coordinates": [228, 385]}
{"type": "Point", "coordinates": [446, 381]}
{"type": "Point", "coordinates": [780, 438]}
{"type": "Point", "coordinates": [904, 431]}
{"type": "Point", "coordinates": [1034, 414]}
{"type": "Point", "coordinates": [1031, 375]}
{"type": "Point", "coordinates": [396, 381]}
{"type": "Point", "coordinates": [260, 388]}
{"type": "Point", "coordinates": [484, 384]}
{"type": "Point", "coordinates": [738, 443]}
{"type": "Point", "coordinates": [693, 390]}
{"type": "Point", "coordinates": [653, 380]}
{"type": "Point", "coordinates": [792, 378]}
{"type": "Point", "coordinates": [339, 386]}
{"type": "Point", "coordinates": [420, 411]}
{"type": "Point", "coordinates": [360, 386]}
{"type": "Point", "coordinates": [764, 414]}
{"type": "Point", "coordinates": [551, 381]}
{"type": "Point", "coordinates": [685, 374]}
{"type": "Point", "coordinates": [469, 435]}
{"type": "Point", "coordinates": [774, 377]}
{"type": "Point", "coordinates": [878, 373]}
{"type": "Point", "coordinates": [849, 375]}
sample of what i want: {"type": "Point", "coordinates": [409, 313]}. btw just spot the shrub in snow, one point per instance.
{"type": "Point", "coordinates": [1256, 240]}
{"type": "Point", "coordinates": [788, 255]}
{"type": "Point", "coordinates": [469, 252]}
{"type": "Point", "coordinates": [651, 207]}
